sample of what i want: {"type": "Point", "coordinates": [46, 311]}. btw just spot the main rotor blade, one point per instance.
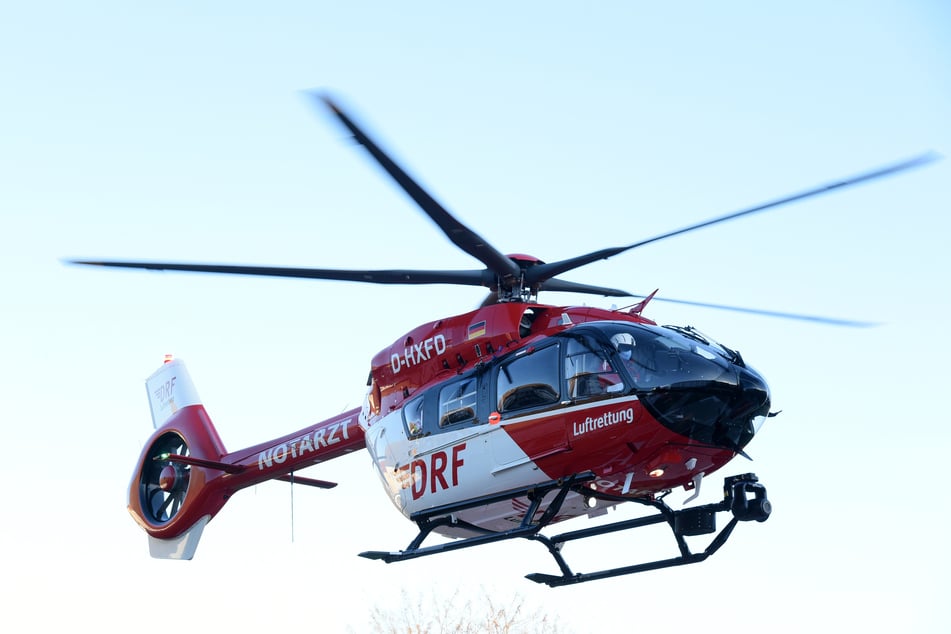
{"type": "Point", "coordinates": [574, 287]}
{"type": "Point", "coordinates": [551, 269]}
{"type": "Point", "coordinates": [465, 278]}
{"type": "Point", "coordinates": [461, 235]}
{"type": "Point", "coordinates": [832, 321]}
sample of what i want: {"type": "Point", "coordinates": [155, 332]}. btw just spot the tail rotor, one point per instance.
{"type": "Point", "coordinates": [163, 484]}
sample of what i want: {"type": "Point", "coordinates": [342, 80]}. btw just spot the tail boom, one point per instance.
{"type": "Point", "coordinates": [184, 476]}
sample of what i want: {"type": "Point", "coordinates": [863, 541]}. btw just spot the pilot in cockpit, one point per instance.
{"type": "Point", "coordinates": [625, 344]}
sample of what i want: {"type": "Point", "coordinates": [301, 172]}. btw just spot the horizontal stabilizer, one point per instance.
{"type": "Point", "coordinates": [198, 462]}
{"type": "Point", "coordinates": [311, 482]}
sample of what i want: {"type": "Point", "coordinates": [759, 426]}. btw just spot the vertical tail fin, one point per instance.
{"type": "Point", "coordinates": [170, 389]}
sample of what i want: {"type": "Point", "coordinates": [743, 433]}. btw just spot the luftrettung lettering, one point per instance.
{"type": "Point", "coordinates": [604, 420]}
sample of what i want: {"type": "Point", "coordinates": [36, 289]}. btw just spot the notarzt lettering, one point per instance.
{"type": "Point", "coordinates": [308, 443]}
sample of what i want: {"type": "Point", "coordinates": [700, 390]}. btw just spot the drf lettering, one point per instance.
{"type": "Point", "coordinates": [438, 472]}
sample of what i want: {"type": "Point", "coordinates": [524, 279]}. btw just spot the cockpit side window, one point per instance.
{"type": "Point", "coordinates": [529, 381]}
{"type": "Point", "coordinates": [588, 372]}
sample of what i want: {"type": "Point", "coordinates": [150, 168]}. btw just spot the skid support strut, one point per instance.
{"type": "Point", "coordinates": [443, 516]}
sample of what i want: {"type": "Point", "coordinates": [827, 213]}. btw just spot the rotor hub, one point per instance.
{"type": "Point", "coordinates": [168, 478]}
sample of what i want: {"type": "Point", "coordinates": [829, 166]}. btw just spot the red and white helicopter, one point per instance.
{"type": "Point", "coordinates": [497, 423]}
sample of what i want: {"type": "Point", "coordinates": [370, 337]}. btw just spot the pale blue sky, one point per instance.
{"type": "Point", "coordinates": [170, 131]}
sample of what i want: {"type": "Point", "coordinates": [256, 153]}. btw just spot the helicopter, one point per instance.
{"type": "Point", "coordinates": [498, 423]}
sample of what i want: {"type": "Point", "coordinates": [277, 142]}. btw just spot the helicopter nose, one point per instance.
{"type": "Point", "coordinates": [753, 399]}
{"type": "Point", "coordinates": [747, 412]}
{"type": "Point", "coordinates": [724, 412]}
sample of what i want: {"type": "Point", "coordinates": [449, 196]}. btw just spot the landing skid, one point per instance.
{"type": "Point", "coordinates": [700, 520]}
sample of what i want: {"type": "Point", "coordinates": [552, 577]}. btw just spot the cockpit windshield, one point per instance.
{"type": "Point", "coordinates": [656, 356]}
{"type": "Point", "coordinates": [688, 382]}
{"type": "Point", "coordinates": [692, 333]}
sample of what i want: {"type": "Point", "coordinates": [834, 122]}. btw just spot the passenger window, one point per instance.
{"type": "Point", "coordinates": [530, 381]}
{"type": "Point", "coordinates": [457, 402]}
{"type": "Point", "coordinates": [413, 417]}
